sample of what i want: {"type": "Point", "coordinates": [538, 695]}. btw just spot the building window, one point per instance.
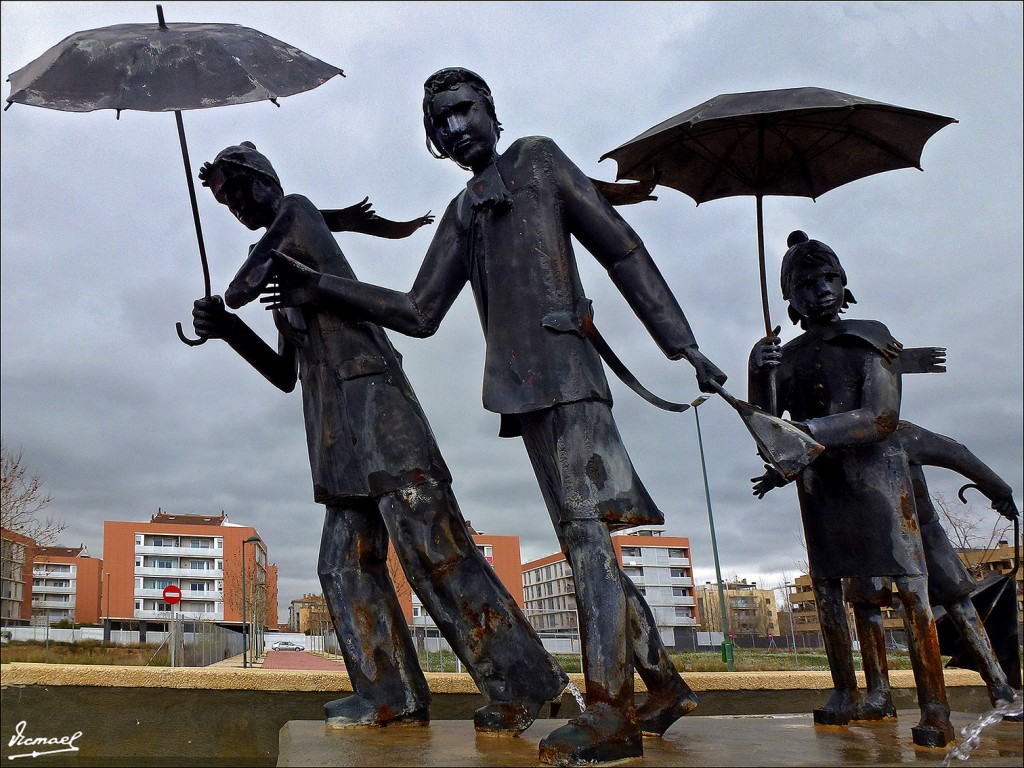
{"type": "Point", "coordinates": [634, 571]}
{"type": "Point", "coordinates": [683, 613]}
{"type": "Point", "coordinates": [138, 562]}
{"type": "Point", "coordinates": [138, 605]}
{"type": "Point", "coordinates": [680, 592]}
{"type": "Point", "coordinates": [218, 543]}
{"type": "Point", "coordinates": [631, 551]}
{"type": "Point", "coordinates": [677, 573]}
{"type": "Point", "coordinates": [676, 552]}
{"type": "Point", "coordinates": [164, 563]}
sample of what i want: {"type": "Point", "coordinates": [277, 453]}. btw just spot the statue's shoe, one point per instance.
{"type": "Point", "coordinates": [932, 735]}
{"type": "Point", "coordinates": [506, 719]}
{"type": "Point", "coordinates": [658, 712]}
{"type": "Point", "coordinates": [358, 712]}
{"type": "Point", "coordinates": [600, 734]}
{"type": "Point", "coordinates": [876, 706]}
{"type": "Point", "coordinates": [842, 707]}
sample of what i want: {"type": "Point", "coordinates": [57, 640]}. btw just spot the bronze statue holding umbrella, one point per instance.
{"type": "Point", "coordinates": [167, 68]}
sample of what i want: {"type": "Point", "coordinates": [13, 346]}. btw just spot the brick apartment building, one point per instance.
{"type": "Point", "coordinates": [66, 586]}
{"type": "Point", "coordinates": [200, 554]}
{"type": "Point", "coordinates": [15, 578]}
{"type": "Point", "coordinates": [658, 564]}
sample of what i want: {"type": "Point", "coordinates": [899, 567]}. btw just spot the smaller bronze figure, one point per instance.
{"type": "Point", "coordinates": [840, 382]}
{"type": "Point", "coordinates": [377, 469]}
{"type": "Point", "coordinates": [950, 584]}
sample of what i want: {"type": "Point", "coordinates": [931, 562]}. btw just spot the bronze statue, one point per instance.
{"type": "Point", "coordinates": [950, 585]}
{"type": "Point", "coordinates": [840, 381]}
{"type": "Point", "coordinates": [507, 235]}
{"type": "Point", "coordinates": [377, 469]}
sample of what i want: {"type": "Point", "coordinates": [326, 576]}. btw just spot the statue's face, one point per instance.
{"type": "Point", "coordinates": [251, 200]}
{"type": "Point", "coordinates": [464, 128]}
{"type": "Point", "coordinates": [817, 291]}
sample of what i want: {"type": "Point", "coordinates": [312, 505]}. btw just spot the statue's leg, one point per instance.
{"type": "Point", "coordinates": [835, 631]}
{"type": "Point", "coordinates": [668, 695]}
{"type": "Point", "coordinates": [934, 729]}
{"type": "Point", "coordinates": [607, 729]}
{"type": "Point", "coordinates": [374, 637]}
{"type": "Point", "coordinates": [871, 633]}
{"type": "Point", "coordinates": [471, 607]}
{"type": "Point", "coordinates": [965, 618]}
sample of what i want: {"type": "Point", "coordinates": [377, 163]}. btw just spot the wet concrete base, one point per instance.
{"type": "Point", "coordinates": [749, 740]}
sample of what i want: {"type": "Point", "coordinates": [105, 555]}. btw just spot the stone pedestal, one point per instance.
{"type": "Point", "coordinates": [775, 740]}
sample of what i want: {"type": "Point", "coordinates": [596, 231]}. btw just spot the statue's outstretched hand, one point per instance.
{"type": "Point", "coordinates": [771, 478]}
{"type": "Point", "coordinates": [294, 284]}
{"type": "Point", "coordinates": [707, 372]}
{"type": "Point", "coordinates": [767, 353]}
{"type": "Point", "coordinates": [210, 318]}
{"type": "Point", "coordinates": [1005, 507]}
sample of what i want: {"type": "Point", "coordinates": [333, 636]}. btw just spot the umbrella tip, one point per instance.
{"type": "Point", "coordinates": [160, 16]}
{"type": "Point", "coordinates": [273, 101]}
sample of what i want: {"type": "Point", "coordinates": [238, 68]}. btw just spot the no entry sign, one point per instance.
{"type": "Point", "coordinates": [172, 594]}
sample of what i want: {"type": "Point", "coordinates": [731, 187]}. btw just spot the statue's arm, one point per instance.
{"type": "Point", "coordinates": [926, 448]}
{"type": "Point", "coordinates": [212, 321]}
{"type": "Point", "coordinates": [876, 418]}
{"type": "Point", "coordinates": [417, 313]}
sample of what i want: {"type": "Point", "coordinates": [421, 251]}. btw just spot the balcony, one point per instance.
{"type": "Point", "coordinates": [185, 595]}
{"type": "Point", "coordinates": [181, 551]}
{"type": "Point", "coordinates": [64, 604]}
{"type": "Point", "coordinates": [171, 573]}
{"type": "Point", "coordinates": [46, 589]}
{"type": "Point", "coordinates": [190, 615]}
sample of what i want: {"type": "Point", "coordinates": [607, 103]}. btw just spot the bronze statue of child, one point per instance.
{"type": "Point", "coordinates": [840, 381]}
{"type": "Point", "coordinates": [377, 469]}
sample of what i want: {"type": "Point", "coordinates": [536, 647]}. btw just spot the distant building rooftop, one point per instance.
{"type": "Point", "coordinates": [79, 551]}
{"type": "Point", "coordinates": [165, 517]}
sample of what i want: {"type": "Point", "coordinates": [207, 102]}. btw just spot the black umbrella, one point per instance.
{"type": "Point", "coordinates": [167, 68]}
{"type": "Point", "coordinates": [798, 142]}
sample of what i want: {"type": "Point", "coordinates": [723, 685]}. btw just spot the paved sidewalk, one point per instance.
{"type": "Point", "coordinates": [301, 660]}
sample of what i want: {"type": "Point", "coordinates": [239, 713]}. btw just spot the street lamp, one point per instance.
{"type": "Point", "coordinates": [727, 653]}
{"type": "Point", "coordinates": [245, 636]}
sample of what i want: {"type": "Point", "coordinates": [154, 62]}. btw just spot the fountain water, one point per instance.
{"type": "Point", "coordinates": [971, 734]}
{"type": "Point", "coordinates": [571, 688]}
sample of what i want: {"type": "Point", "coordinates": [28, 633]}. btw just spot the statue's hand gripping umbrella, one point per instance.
{"type": "Point", "coordinates": [167, 68]}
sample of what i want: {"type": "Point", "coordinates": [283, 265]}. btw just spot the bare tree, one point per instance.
{"type": "Point", "coordinates": [967, 530]}
{"type": "Point", "coordinates": [22, 501]}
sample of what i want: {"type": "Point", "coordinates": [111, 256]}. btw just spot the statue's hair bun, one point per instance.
{"type": "Point", "coordinates": [796, 236]}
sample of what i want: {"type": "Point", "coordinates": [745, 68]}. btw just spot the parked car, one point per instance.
{"type": "Point", "coordinates": [287, 645]}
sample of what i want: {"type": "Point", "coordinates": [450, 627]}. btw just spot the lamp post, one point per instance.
{"type": "Point", "coordinates": [245, 635]}
{"type": "Point", "coordinates": [727, 654]}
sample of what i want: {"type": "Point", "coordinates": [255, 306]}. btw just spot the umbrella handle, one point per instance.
{"type": "Point", "coordinates": [1016, 530]}
{"type": "Point", "coordinates": [195, 218]}
{"type": "Point", "coordinates": [184, 338]}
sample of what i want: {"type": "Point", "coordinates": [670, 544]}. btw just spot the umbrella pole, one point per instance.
{"type": "Point", "coordinates": [195, 218]}
{"type": "Point", "coordinates": [768, 331]}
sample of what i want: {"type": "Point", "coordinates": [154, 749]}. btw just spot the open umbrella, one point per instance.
{"type": "Point", "coordinates": [798, 142]}
{"type": "Point", "coordinates": [167, 68]}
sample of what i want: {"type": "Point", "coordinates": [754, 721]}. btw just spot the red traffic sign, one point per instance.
{"type": "Point", "coordinates": [172, 594]}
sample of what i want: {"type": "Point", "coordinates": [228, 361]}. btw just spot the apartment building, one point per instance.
{"type": "Point", "coordinates": [752, 611]}
{"type": "Point", "coordinates": [66, 586]}
{"type": "Point", "coordinates": [308, 614]}
{"type": "Point", "coordinates": [659, 564]}
{"type": "Point", "coordinates": [200, 554]}
{"type": "Point", "coordinates": [15, 578]}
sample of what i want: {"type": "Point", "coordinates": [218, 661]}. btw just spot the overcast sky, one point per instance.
{"type": "Point", "coordinates": [100, 259]}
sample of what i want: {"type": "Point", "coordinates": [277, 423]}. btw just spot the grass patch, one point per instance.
{"type": "Point", "coordinates": [84, 652]}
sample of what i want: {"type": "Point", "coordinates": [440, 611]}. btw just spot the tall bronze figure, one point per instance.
{"type": "Point", "coordinates": [507, 235]}
{"type": "Point", "coordinates": [950, 584]}
{"type": "Point", "coordinates": [378, 471]}
{"type": "Point", "coordinates": [840, 381]}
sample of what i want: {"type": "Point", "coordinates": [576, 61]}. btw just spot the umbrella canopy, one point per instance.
{"type": "Point", "coordinates": [167, 68]}
{"type": "Point", "coordinates": [799, 142]}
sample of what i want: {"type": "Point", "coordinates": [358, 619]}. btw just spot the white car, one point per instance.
{"type": "Point", "coordinates": [287, 645]}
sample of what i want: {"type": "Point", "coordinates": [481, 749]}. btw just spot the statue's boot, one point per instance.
{"type": "Point", "coordinates": [659, 710]}
{"type": "Point", "coordinates": [601, 734]}
{"type": "Point", "coordinates": [935, 729]}
{"type": "Point", "coordinates": [355, 711]}
{"type": "Point", "coordinates": [877, 705]}
{"type": "Point", "coordinates": [841, 708]}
